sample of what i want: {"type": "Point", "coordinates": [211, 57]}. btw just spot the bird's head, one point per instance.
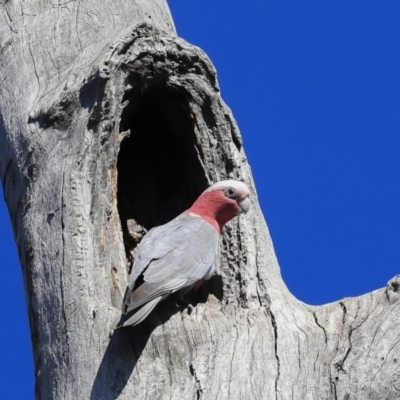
{"type": "Point", "coordinates": [221, 202]}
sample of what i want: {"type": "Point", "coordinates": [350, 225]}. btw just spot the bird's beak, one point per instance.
{"type": "Point", "coordinates": [244, 206]}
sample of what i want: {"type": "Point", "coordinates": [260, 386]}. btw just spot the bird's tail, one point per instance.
{"type": "Point", "coordinates": [135, 316]}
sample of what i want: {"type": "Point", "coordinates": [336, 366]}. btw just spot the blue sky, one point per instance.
{"type": "Point", "coordinates": [315, 88]}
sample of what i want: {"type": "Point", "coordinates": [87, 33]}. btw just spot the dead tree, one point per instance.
{"type": "Point", "coordinates": [110, 124]}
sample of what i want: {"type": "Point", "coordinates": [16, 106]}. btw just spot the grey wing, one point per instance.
{"type": "Point", "coordinates": [152, 247]}
{"type": "Point", "coordinates": [185, 251]}
{"type": "Point", "coordinates": [170, 257]}
{"type": "Point", "coordinates": [194, 254]}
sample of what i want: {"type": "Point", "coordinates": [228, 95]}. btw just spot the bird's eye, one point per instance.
{"type": "Point", "coordinates": [230, 193]}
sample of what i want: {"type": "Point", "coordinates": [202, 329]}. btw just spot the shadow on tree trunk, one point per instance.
{"type": "Point", "coordinates": [124, 350]}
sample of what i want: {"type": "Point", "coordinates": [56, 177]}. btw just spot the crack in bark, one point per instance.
{"type": "Point", "coordinates": [199, 390]}
{"type": "Point", "coordinates": [278, 362]}
{"type": "Point", "coordinates": [242, 261]}
{"type": "Point", "coordinates": [351, 330]}
{"type": "Point", "coordinates": [344, 309]}
{"type": "Point", "coordinates": [10, 20]}
{"type": "Point", "coordinates": [257, 288]}
{"type": "Point", "coordinates": [263, 298]}
{"type": "Point", "coordinates": [333, 385]}
{"type": "Point", "coordinates": [3, 80]}
{"type": "Point", "coordinates": [339, 364]}
{"type": "Point", "coordinates": [318, 324]}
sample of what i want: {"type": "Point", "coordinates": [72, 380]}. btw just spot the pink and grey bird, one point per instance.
{"type": "Point", "coordinates": [180, 255]}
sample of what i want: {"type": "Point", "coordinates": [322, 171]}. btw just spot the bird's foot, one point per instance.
{"type": "Point", "coordinates": [185, 304]}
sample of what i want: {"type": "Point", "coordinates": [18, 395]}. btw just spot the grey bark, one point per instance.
{"type": "Point", "coordinates": [111, 124]}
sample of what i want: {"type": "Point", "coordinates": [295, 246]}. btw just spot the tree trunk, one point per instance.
{"type": "Point", "coordinates": [110, 124]}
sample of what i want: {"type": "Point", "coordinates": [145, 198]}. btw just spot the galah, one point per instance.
{"type": "Point", "coordinates": [180, 255]}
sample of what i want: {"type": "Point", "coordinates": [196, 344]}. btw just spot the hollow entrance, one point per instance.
{"type": "Point", "coordinates": [159, 172]}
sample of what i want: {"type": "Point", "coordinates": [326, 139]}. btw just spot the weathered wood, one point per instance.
{"type": "Point", "coordinates": [110, 124]}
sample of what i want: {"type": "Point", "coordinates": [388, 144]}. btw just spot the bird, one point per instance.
{"type": "Point", "coordinates": [183, 253]}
